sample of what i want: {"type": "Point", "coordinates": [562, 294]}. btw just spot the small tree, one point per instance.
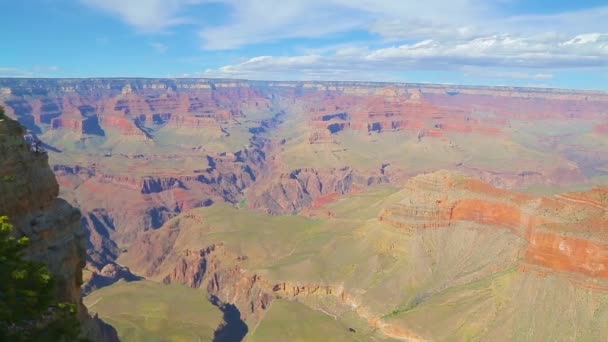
{"type": "Point", "coordinates": [2, 116]}
{"type": "Point", "coordinates": [28, 309]}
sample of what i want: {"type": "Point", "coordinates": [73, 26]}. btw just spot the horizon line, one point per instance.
{"type": "Point", "coordinates": [307, 81]}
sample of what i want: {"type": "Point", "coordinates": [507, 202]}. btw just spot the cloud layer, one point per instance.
{"type": "Point", "coordinates": [497, 51]}
{"type": "Point", "coordinates": [398, 35]}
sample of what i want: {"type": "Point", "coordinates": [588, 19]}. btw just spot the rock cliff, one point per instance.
{"type": "Point", "coordinates": [28, 196]}
{"type": "Point", "coordinates": [564, 233]}
{"type": "Point", "coordinates": [133, 154]}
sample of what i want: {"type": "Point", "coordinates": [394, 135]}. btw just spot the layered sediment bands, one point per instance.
{"type": "Point", "coordinates": [523, 179]}
{"type": "Point", "coordinates": [563, 233]}
{"type": "Point", "coordinates": [142, 203]}
{"type": "Point", "coordinates": [214, 268]}
{"type": "Point", "coordinates": [139, 152]}
{"type": "Point", "coordinates": [28, 195]}
{"type": "Point", "coordinates": [123, 125]}
{"type": "Point", "coordinates": [222, 272]}
{"type": "Point", "coordinates": [403, 216]}
{"type": "Point", "coordinates": [300, 188]}
{"type": "Point", "coordinates": [333, 107]}
{"type": "Point", "coordinates": [493, 213]}
{"type": "Point", "coordinates": [564, 253]}
{"type": "Point", "coordinates": [120, 104]}
{"type": "Point", "coordinates": [392, 109]}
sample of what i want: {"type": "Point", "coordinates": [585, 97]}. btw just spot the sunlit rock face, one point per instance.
{"type": "Point", "coordinates": [515, 219]}
{"type": "Point", "coordinates": [28, 196]}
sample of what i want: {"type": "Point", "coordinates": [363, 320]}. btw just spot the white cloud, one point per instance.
{"type": "Point", "coordinates": [259, 21]}
{"type": "Point", "coordinates": [34, 71]}
{"type": "Point", "coordinates": [397, 36]}
{"type": "Point", "coordinates": [14, 72]}
{"type": "Point", "coordinates": [272, 20]}
{"type": "Point", "coordinates": [255, 21]}
{"type": "Point", "coordinates": [478, 72]}
{"type": "Point", "coordinates": [45, 68]}
{"type": "Point", "coordinates": [159, 47]}
{"type": "Point", "coordinates": [475, 55]}
{"type": "Point", "coordinates": [504, 50]}
{"type": "Point", "coordinates": [145, 15]}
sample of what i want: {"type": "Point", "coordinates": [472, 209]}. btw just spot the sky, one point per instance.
{"type": "Point", "coordinates": [543, 43]}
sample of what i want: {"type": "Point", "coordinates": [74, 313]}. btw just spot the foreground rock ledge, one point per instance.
{"type": "Point", "coordinates": [28, 196]}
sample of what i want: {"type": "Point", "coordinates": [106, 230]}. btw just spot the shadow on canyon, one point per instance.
{"type": "Point", "coordinates": [234, 328]}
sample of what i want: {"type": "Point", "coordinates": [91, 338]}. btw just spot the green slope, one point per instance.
{"type": "Point", "coordinates": [148, 311]}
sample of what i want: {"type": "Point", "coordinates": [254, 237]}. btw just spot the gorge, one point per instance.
{"type": "Point", "coordinates": [380, 211]}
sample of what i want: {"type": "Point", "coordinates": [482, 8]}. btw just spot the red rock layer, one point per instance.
{"type": "Point", "coordinates": [332, 112]}
{"type": "Point", "coordinates": [124, 125]}
{"type": "Point", "coordinates": [564, 233]}
{"type": "Point", "coordinates": [571, 254]}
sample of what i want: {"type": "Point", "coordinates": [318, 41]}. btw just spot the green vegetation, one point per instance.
{"type": "Point", "coordinates": [28, 310]}
{"type": "Point", "coordinates": [428, 281]}
{"type": "Point", "coordinates": [293, 321]}
{"type": "Point", "coordinates": [148, 311]}
{"type": "Point", "coordinates": [2, 115]}
{"type": "Point", "coordinates": [8, 178]}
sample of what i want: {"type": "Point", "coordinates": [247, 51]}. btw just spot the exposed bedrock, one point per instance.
{"type": "Point", "coordinates": [298, 189]}
{"type": "Point", "coordinates": [108, 275]}
{"type": "Point", "coordinates": [155, 184]}
{"type": "Point", "coordinates": [28, 196]}
{"type": "Point", "coordinates": [564, 233]}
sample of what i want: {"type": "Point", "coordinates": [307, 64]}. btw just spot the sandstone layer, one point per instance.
{"type": "Point", "coordinates": [28, 193]}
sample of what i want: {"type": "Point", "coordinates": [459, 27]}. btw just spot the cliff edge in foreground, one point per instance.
{"type": "Point", "coordinates": [28, 196]}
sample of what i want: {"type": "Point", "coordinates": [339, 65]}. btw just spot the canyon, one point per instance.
{"type": "Point", "coordinates": [400, 211]}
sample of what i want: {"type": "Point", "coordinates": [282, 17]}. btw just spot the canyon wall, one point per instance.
{"type": "Point", "coordinates": [135, 154]}
{"type": "Point", "coordinates": [28, 196]}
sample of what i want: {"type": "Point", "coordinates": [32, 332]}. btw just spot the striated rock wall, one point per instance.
{"type": "Point", "coordinates": [28, 195]}
{"type": "Point", "coordinates": [564, 233]}
{"type": "Point", "coordinates": [332, 106]}
{"type": "Point", "coordinates": [221, 272]}
{"type": "Point", "coordinates": [300, 188]}
{"type": "Point", "coordinates": [89, 106]}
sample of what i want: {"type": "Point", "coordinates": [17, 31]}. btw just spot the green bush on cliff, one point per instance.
{"type": "Point", "coordinates": [2, 116]}
{"type": "Point", "coordinates": [28, 311]}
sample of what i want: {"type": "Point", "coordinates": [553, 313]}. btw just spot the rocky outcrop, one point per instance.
{"type": "Point", "coordinates": [28, 192]}
{"type": "Point", "coordinates": [120, 104]}
{"type": "Point", "coordinates": [152, 184]}
{"type": "Point", "coordinates": [142, 203]}
{"type": "Point", "coordinates": [300, 188]}
{"type": "Point", "coordinates": [108, 275]}
{"type": "Point", "coordinates": [221, 271]}
{"type": "Point", "coordinates": [126, 128]}
{"type": "Point", "coordinates": [570, 254]}
{"type": "Point", "coordinates": [523, 179]}
{"type": "Point", "coordinates": [123, 106]}
{"type": "Point", "coordinates": [564, 233]}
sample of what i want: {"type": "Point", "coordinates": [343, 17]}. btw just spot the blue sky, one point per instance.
{"type": "Point", "coordinates": [553, 43]}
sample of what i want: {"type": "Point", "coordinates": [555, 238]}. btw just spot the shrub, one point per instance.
{"type": "Point", "coordinates": [28, 309]}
